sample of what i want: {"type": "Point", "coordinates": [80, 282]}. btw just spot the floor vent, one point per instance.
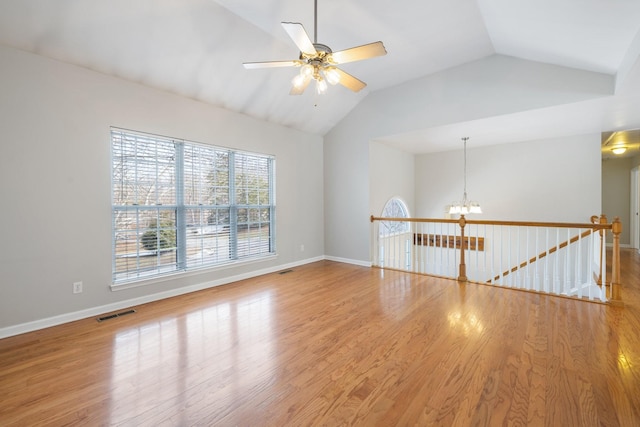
{"type": "Point", "coordinates": [112, 316]}
{"type": "Point", "coordinates": [285, 271]}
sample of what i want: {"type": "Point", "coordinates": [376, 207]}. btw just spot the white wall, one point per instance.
{"type": "Point", "coordinates": [616, 193]}
{"type": "Point", "coordinates": [548, 180]}
{"type": "Point", "coordinates": [55, 183]}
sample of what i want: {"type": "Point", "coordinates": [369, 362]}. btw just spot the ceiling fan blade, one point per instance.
{"type": "Point", "coordinates": [270, 64]}
{"type": "Point", "coordinates": [299, 36]}
{"type": "Point", "coordinates": [350, 82]}
{"type": "Point", "coordinates": [298, 90]}
{"type": "Point", "coordinates": [358, 53]}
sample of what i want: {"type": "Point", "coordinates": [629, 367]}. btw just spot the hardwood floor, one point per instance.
{"type": "Point", "coordinates": [336, 344]}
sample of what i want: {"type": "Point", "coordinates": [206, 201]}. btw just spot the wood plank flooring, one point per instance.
{"type": "Point", "coordinates": [335, 344]}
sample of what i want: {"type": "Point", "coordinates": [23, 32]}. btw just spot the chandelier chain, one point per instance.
{"type": "Point", "coordinates": [465, 169]}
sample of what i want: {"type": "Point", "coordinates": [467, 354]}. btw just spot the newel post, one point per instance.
{"type": "Point", "coordinates": [462, 277]}
{"type": "Point", "coordinates": [616, 228]}
{"type": "Point", "coordinates": [603, 266]}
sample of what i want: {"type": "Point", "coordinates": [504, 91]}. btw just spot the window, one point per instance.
{"type": "Point", "coordinates": [394, 208]}
{"type": "Point", "coordinates": [180, 205]}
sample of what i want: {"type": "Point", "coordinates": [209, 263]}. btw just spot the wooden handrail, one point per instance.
{"type": "Point", "coordinates": [591, 225]}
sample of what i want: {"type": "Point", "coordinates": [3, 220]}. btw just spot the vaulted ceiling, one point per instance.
{"type": "Point", "coordinates": [196, 48]}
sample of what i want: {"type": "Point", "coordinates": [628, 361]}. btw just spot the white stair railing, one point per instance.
{"type": "Point", "coordinates": [555, 258]}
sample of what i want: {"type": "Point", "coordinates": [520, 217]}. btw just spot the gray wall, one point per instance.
{"type": "Point", "coordinates": [548, 180]}
{"type": "Point", "coordinates": [391, 174]}
{"type": "Point", "coordinates": [55, 185]}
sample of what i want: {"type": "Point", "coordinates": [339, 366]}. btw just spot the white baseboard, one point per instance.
{"type": "Point", "coordinates": [349, 261]}
{"type": "Point", "coordinates": [96, 311]}
{"type": "Point", "coordinates": [622, 245]}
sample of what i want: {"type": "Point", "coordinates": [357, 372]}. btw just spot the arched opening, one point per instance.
{"type": "Point", "coordinates": [396, 231]}
{"type": "Point", "coordinates": [394, 208]}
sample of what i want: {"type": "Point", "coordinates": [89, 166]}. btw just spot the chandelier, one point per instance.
{"type": "Point", "coordinates": [465, 206]}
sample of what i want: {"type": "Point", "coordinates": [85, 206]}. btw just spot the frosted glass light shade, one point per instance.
{"type": "Point", "coordinates": [333, 77]}
{"type": "Point", "coordinates": [464, 208]}
{"type": "Point", "coordinates": [299, 81]}
{"type": "Point", "coordinates": [321, 86]}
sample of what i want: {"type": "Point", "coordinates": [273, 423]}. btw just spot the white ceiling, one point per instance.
{"type": "Point", "coordinates": [196, 48]}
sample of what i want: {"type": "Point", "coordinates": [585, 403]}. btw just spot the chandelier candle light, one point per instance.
{"type": "Point", "coordinates": [465, 206]}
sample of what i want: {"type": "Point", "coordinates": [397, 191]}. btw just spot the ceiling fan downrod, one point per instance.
{"type": "Point", "coordinates": [315, 21]}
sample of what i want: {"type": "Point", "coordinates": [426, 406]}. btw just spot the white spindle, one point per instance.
{"type": "Point", "coordinates": [476, 276]}
{"type": "Point", "coordinates": [509, 263]}
{"type": "Point", "coordinates": [535, 283]}
{"type": "Point", "coordinates": [591, 266]}
{"type": "Point", "coordinates": [493, 252]}
{"type": "Point", "coordinates": [578, 265]}
{"type": "Point", "coordinates": [501, 254]}
{"type": "Point", "coordinates": [484, 252]}
{"type": "Point", "coordinates": [556, 272]}
{"type": "Point", "coordinates": [518, 275]}
{"type": "Point", "coordinates": [546, 263]}
{"type": "Point", "coordinates": [603, 262]}
{"type": "Point", "coordinates": [567, 269]}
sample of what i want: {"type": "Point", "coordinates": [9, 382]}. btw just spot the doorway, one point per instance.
{"type": "Point", "coordinates": [635, 208]}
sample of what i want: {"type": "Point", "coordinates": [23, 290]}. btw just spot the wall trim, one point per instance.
{"type": "Point", "coordinates": [349, 261]}
{"type": "Point", "coordinates": [48, 322]}
{"type": "Point", "coordinates": [622, 246]}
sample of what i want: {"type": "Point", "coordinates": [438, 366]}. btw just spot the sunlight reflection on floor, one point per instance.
{"type": "Point", "coordinates": [223, 349]}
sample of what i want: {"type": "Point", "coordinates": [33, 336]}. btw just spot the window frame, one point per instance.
{"type": "Point", "coordinates": [394, 208]}
{"type": "Point", "coordinates": [262, 232]}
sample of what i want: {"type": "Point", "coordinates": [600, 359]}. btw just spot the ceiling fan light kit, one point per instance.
{"type": "Point", "coordinates": [318, 62]}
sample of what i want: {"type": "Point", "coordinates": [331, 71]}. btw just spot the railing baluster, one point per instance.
{"type": "Point", "coordinates": [518, 259]}
{"type": "Point", "coordinates": [535, 280]}
{"type": "Point", "coordinates": [567, 267]}
{"type": "Point", "coordinates": [484, 252]}
{"type": "Point", "coordinates": [417, 255]}
{"type": "Point", "coordinates": [578, 265]}
{"type": "Point", "coordinates": [493, 252]}
{"type": "Point", "coordinates": [556, 262]}
{"type": "Point", "coordinates": [545, 280]}
{"type": "Point", "coordinates": [501, 255]}
{"type": "Point", "coordinates": [422, 248]}
{"type": "Point", "coordinates": [510, 277]}
{"type": "Point", "coordinates": [478, 269]}
{"type": "Point", "coordinates": [590, 266]}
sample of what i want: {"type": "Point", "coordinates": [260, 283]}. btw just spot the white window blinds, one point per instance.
{"type": "Point", "coordinates": [180, 205]}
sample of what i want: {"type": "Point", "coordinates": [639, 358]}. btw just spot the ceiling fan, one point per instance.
{"type": "Point", "coordinates": [318, 62]}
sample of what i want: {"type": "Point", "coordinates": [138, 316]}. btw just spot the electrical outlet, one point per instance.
{"type": "Point", "coordinates": [77, 287]}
